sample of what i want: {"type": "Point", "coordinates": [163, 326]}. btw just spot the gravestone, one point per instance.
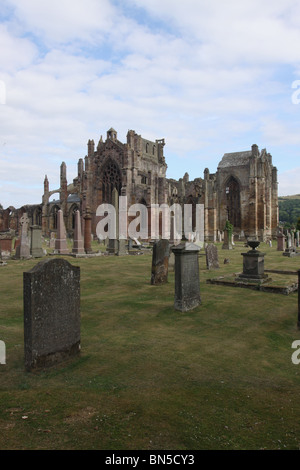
{"type": "Point", "coordinates": [78, 240]}
{"type": "Point", "coordinates": [280, 242]}
{"type": "Point", "coordinates": [23, 250]}
{"type": "Point", "coordinates": [51, 312]}
{"type": "Point", "coordinates": [160, 262]}
{"type": "Point", "coordinates": [227, 245]}
{"type": "Point", "coordinates": [290, 250]}
{"type": "Point", "coordinates": [61, 246]}
{"type": "Point", "coordinates": [212, 259]}
{"type": "Point", "coordinates": [187, 283]}
{"type": "Point", "coordinates": [36, 249]}
{"type": "Point", "coordinates": [52, 240]}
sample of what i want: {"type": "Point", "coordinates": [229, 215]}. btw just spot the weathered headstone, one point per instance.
{"type": "Point", "coordinates": [212, 259]}
{"type": "Point", "coordinates": [290, 250]}
{"type": "Point", "coordinates": [160, 262]}
{"type": "Point", "coordinates": [36, 249]}
{"type": "Point", "coordinates": [51, 312]}
{"type": "Point", "coordinates": [23, 250]}
{"type": "Point", "coordinates": [227, 245]}
{"type": "Point", "coordinates": [187, 282]}
{"type": "Point", "coordinates": [52, 240]}
{"type": "Point", "coordinates": [78, 240]}
{"type": "Point", "coordinates": [280, 242]}
{"type": "Point", "coordinates": [61, 246]}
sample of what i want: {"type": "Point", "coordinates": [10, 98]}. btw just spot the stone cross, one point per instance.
{"type": "Point", "coordinates": [23, 250]}
{"type": "Point", "coordinates": [24, 222]}
{"type": "Point", "coordinates": [227, 244]}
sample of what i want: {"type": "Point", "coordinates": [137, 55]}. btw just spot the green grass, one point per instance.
{"type": "Point", "coordinates": [149, 377]}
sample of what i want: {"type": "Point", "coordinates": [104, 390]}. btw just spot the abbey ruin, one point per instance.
{"type": "Point", "coordinates": [243, 190]}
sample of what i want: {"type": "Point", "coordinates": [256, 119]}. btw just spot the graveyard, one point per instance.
{"type": "Point", "coordinates": [149, 376]}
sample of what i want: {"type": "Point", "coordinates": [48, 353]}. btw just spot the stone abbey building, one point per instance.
{"type": "Point", "coordinates": [244, 189]}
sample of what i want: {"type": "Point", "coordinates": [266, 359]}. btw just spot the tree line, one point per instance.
{"type": "Point", "coordinates": [289, 212]}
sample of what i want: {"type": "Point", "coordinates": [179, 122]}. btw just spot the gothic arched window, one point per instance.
{"type": "Point", "coordinates": [110, 179]}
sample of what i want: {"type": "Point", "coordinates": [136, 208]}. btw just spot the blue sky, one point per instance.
{"type": "Point", "coordinates": [209, 76]}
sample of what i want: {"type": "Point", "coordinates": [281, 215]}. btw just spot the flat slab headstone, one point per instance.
{"type": "Point", "coordinates": [36, 249]}
{"type": "Point", "coordinates": [51, 312]}
{"type": "Point", "coordinates": [280, 242]}
{"type": "Point", "coordinates": [212, 258]}
{"type": "Point", "coordinates": [160, 262]}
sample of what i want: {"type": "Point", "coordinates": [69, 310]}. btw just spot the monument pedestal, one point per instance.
{"type": "Point", "coordinates": [253, 265]}
{"type": "Point", "coordinates": [187, 283]}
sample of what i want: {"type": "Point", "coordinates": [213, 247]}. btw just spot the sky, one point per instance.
{"type": "Point", "coordinates": [208, 76]}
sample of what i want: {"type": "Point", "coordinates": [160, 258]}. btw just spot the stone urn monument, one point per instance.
{"type": "Point", "coordinates": [253, 264]}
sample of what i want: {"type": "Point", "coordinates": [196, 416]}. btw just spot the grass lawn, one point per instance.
{"type": "Point", "coordinates": [149, 377]}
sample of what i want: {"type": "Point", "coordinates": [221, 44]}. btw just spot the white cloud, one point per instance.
{"type": "Point", "coordinates": [289, 182]}
{"type": "Point", "coordinates": [203, 75]}
{"type": "Point", "coordinates": [61, 21]}
{"type": "Point", "coordinates": [15, 53]}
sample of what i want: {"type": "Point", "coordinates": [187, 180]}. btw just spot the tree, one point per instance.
{"type": "Point", "coordinates": [298, 224]}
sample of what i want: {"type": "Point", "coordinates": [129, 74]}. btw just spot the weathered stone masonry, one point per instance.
{"type": "Point", "coordinates": [243, 190]}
